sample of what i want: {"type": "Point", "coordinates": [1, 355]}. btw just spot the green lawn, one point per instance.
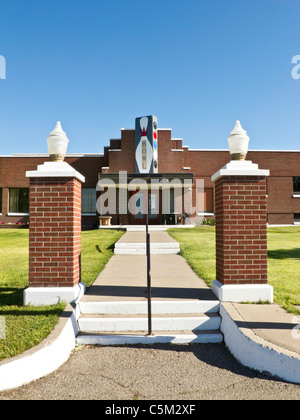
{"type": "Point", "coordinates": [25, 327]}
{"type": "Point", "coordinates": [198, 248]}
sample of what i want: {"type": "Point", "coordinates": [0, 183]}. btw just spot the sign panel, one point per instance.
{"type": "Point", "coordinates": [146, 147]}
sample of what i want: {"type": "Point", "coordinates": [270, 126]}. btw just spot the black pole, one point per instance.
{"type": "Point", "coordinates": [148, 274]}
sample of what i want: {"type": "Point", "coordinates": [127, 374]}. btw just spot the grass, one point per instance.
{"type": "Point", "coordinates": [198, 248]}
{"type": "Point", "coordinates": [284, 266]}
{"type": "Point", "coordinates": [97, 249]}
{"type": "Point", "coordinates": [25, 327]}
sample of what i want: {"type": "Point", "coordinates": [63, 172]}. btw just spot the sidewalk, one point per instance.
{"type": "Point", "coordinates": [269, 322]}
{"type": "Point", "coordinates": [124, 278]}
{"type": "Point", "coordinates": [254, 333]}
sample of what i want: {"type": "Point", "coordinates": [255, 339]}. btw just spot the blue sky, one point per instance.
{"type": "Point", "coordinates": [197, 65]}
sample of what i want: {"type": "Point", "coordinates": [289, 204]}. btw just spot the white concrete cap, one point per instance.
{"type": "Point", "coordinates": [55, 170]}
{"type": "Point", "coordinates": [240, 168]}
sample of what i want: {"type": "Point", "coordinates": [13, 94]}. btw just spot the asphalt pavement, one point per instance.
{"type": "Point", "coordinates": [161, 372]}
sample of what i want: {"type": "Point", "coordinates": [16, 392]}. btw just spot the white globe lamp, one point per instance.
{"type": "Point", "coordinates": [57, 144]}
{"type": "Point", "coordinates": [238, 142]}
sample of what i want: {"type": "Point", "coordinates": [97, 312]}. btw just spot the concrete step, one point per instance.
{"type": "Point", "coordinates": [158, 307]}
{"type": "Point", "coordinates": [158, 337]}
{"type": "Point", "coordinates": [160, 322]}
{"type": "Point", "coordinates": [155, 228]}
{"type": "Point", "coordinates": [123, 248]}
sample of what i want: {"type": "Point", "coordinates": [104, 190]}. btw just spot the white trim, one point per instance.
{"type": "Point", "coordinates": [46, 155]}
{"type": "Point", "coordinates": [208, 150]}
{"type": "Point", "coordinates": [177, 150]}
{"type": "Point", "coordinates": [297, 195]}
{"type": "Point", "coordinates": [240, 168]}
{"type": "Point", "coordinates": [55, 170]}
{"type": "Point", "coordinates": [253, 150]}
{"type": "Point", "coordinates": [45, 358]}
{"type": "Point", "coordinates": [17, 214]}
{"type": "Point", "coordinates": [242, 292]}
{"type": "Point", "coordinates": [187, 168]}
{"type": "Point", "coordinates": [39, 296]}
{"type": "Point", "coordinates": [205, 214]}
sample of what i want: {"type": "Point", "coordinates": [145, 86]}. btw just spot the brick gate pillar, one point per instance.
{"type": "Point", "coordinates": [54, 235]}
{"type": "Point", "coordinates": [241, 233]}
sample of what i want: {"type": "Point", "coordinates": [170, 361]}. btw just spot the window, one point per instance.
{"type": "Point", "coordinates": [172, 200]}
{"type": "Point", "coordinates": [206, 200]}
{"type": "Point", "coordinates": [19, 200]}
{"type": "Point", "coordinates": [297, 218]}
{"type": "Point", "coordinates": [0, 200]}
{"type": "Point", "coordinates": [296, 181]}
{"type": "Point", "coordinates": [88, 202]}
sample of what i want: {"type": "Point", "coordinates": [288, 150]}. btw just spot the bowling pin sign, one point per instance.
{"type": "Point", "coordinates": [146, 146]}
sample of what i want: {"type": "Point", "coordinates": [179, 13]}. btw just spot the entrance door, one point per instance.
{"type": "Point", "coordinates": [140, 206]}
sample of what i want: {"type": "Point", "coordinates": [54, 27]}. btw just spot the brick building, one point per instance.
{"type": "Point", "coordinates": [173, 161]}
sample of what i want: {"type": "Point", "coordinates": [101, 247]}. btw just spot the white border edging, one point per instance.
{"type": "Point", "coordinates": [256, 353]}
{"type": "Point", "coordinates": [43, 359]}
{"type": "Point", "coordinates": [38, 296]}
{"type": "Point", "coordinates": [242, 292]}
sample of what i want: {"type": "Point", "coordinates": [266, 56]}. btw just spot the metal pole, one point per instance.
{"type": "Point", "coordinates": [148, 274]}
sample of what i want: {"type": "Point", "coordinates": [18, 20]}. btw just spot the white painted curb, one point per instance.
{"type": "Point", "coordinates": [43, 359]}
{"type": "Point", "coordinates": [256, 353]}
{"type": "Point", "coordinates": [203, 323]}
{"type": "Point", "coordinates": [158, 307]}
{"type": "Point", "coordinates": [121, 340]}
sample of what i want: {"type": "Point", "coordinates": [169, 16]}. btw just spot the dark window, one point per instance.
{"type": "Point", "coordinates": [88, 203]}
{"type": "Point", "coordinates": [296, 180]}
{"type": "Point", "coordinates": [0, 200]}
{"type": "Point", "coordinates": [19, 200]}
{"type": "Point", "coordinates": [297, 218]}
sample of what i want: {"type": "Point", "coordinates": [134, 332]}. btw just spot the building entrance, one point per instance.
{"type": "Point", "coordinates": [146, 202]}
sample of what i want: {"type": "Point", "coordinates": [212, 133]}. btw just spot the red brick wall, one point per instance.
{"type": "Point", "coordinates": [120, 155]}
{"type": "Point", "coordinates": [55, 232]}
{"type": "Point", "coordinates": [241, 232]}
{"type": "Point", "coordinates": [13, 170]}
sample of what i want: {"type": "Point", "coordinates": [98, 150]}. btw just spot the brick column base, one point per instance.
{"type": "Point", "coordinates": [54, 235]}
{"type": "Point", "coordinates": [241, 234]}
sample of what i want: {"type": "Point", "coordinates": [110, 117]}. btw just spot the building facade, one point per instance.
{"type": "Point", "coordinates": [170, 160]}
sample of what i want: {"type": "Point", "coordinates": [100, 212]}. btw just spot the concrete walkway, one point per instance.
{"type": "Point", "coordinates": [264, 337]}
{"type": "Point", "coordinates": [124, 279]}
{"type": "Point", "coordinates": [134, 243]}
{"type": "Point", "coordinates": [114, 310]}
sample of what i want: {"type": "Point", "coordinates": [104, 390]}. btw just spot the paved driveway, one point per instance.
{"type": "Point", "coordinates": [155, 373]}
